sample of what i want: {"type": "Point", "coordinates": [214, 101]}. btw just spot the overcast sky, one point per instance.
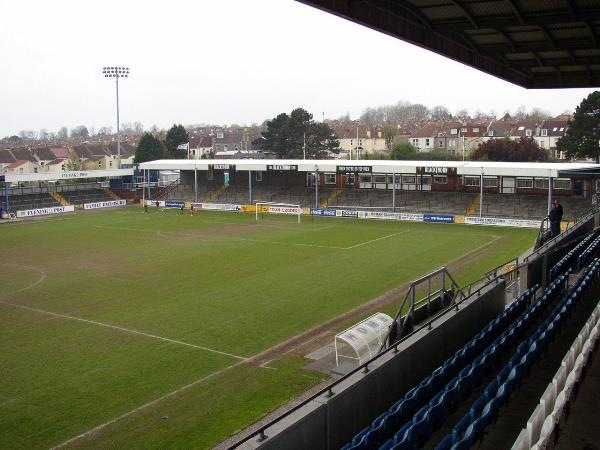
{"type": "Point", "coordinates": [221, 62]}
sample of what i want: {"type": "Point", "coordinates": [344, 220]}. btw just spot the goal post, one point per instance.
{"type": "Point", "coordinates": [287, 209]}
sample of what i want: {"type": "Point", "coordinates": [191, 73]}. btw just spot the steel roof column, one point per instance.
{"type": "Point", "coordinates": [249, 187]}
{"type": "Point", "coordinates": [196, 183]}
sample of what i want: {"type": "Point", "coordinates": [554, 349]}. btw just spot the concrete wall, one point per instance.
{"type": "Point", "coordinates": [328, 423]}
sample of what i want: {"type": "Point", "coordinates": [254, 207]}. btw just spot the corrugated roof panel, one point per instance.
{"type": "Point", "coordinates": [442, 12]}
{"type": "Point", "coordinates": [484, 39]}
{"type": "Point", "coordinates": [531, 6]}
{"type": "Point", "coordinates": [488, 8]}
{"type": "Point", "coordinates": [527, 36]}
{"type": "Point", "coordinates": [569, 32]}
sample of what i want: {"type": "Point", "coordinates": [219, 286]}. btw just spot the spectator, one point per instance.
{"type": "Point", "coordinates": [555, 217]}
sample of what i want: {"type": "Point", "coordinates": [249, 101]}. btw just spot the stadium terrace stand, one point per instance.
{"type": "Point", "coordinates": [79, 197]}
{"type": "Point", "coordinates": [511, 190]}
{"type": "Point", "coordinates": [32, 201]}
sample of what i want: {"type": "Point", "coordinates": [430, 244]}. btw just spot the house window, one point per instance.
{"type": "Point", "coordinates": [463, 130]}
{"type": "Point", "coordinates": [259, 175]}
{"type": "Point", "coordinates": [521, 128]}
{"type": "Point", "coordinates": [454, 131]}
{"type": "Point", "coordinates": [415, 142]}
{"type": "Point", "coordinates": [452, 143]}
{"type": "Point", "coordinates": [330, 178]}
{"type": "Point", "coordinates": [219, 135]}
{"type": "Point", "coordinates": [210, 175]}
{"type": "Point", "coordinates": [99, 164]}
{"type": "Point", "coordinates": [491, 133]}
{"type": "Point", "coordinates": [561, 129]}
{"type": "Point", "coordinates": [441, 144]}
{"type": "Point", "coordinates": [476, 130]}
{"type": "Point", "coordinates": [472, 181]}
{"type": "Point", "coordinates": [490, 182]}
{"type": "Point", "coordinates": [110, 164]}
{"type": "Point", "coordinates": [562, 183]}
{"type": "Point", "coordinates": [440, 179]}
{"type": "Point", "coordinates": [525, 183]}
{"type": "Point", "coordinates": [528, 132]}
{"type": "Point", "coordinates": [544, 132]}
{"type": "Point", "coordinates": [427, 142]}
{"type": "Point", "coordinates": [541, 183]}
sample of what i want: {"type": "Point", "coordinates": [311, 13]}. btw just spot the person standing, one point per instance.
{"type": "Point", "coordinates": [555, 217]}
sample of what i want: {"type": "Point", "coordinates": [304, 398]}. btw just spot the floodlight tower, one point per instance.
{"type": "Point", "coordinates": [116, 73]}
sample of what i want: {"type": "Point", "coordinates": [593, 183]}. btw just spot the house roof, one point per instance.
{"type": "Point", "coordinates": [521, 127]}
{"type": "Point", "coordinates": [500, 128]}
{"type": "Point", "coordinates": [17, 163]}
{"type": "Point", "coordinates": [555, 127]}
{"type": "Point", "coordinates": [6, 157]}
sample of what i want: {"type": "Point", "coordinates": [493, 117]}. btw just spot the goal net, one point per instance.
{"type": "Point", "coordinates": [287, 209]}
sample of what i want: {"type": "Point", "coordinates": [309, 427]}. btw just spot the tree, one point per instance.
{"type": "Point", "coordinates": [80, 132]}
{"type": "Point", "coordinates": [582, 138]}
{"type": "Point", "coordinates": [175, 137]}
{"type": "Point", "coordinates": [63, 133]}
{"type": "Point", "coordinates": [286, 136]}
{"type": "Point", "coordinates": [149, 149]}
{"type": "Point", "coordinates": [73, 163]}
{"type": "Point", "coordinates": [404, 150]}
{"type": "Point", "coordinates": [440, 112]}
{"type": "Point", "coordinates": [523, 150]}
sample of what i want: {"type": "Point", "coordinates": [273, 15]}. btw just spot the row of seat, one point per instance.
{"type": "Point", "coordinates": [567, 261]}
{"type": "Point", "coordinates": [588, 253]}
{"type": "Point", "coordinates": [546, 416]}
{"type": "Point", "coordinates": [485, 409]}
{"type": "Point", "coordinates": [445, 385]}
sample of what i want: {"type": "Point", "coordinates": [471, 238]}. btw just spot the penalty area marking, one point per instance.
{"type": "Point", "coordinates": [374, 240]}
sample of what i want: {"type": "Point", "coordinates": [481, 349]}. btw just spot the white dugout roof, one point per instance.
{"type": "Point", "coordinates": [377, 166]}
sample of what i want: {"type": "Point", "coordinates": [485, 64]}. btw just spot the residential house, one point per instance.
{"type": "Point", "coordinates": [424, 139]}
{"type": "Point", "coordinates": [500, 129]}
{"type": "Point", "coordinates": [524, 128]}
{"type": "Point", "coordinates": [48, 155]}
{"type": "Point", "coordinates": [22, 166]}
{"type": "Point", "coordinates": [363, 138]}
{"type": "Point", "coordinates": [473, 135]}
{"type": "Point", "coordinates": [550, 131]}
{"type": "Point", "coordinates": [200, 146]}
{"type": "Point", "coordinates": [230, 140]}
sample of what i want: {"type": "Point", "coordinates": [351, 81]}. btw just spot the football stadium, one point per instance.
{"type": "Point", "coordinates": [349, 304]}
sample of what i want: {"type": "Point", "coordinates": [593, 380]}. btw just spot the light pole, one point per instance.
{"type": "Point", "coordinates": [116, 73]}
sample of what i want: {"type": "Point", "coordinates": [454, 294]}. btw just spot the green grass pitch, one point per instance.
{"type": "Point", "coordinates": [144, 321]}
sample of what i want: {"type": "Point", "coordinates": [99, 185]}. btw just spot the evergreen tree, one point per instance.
{"type": "Point", "coordinates": [149, 149]}
{"type": "Point", "coordinates": [582, 139]}
{"type": "Point", "coordinates": [175, 137]}
{"type": "Point", "coordinates": [286, 136]}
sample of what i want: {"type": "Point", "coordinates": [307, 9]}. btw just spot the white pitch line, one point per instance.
{"type": "Point", "coordinates": [374, 240]}
{"type": "Point", "coordinates": [126, 330]}
{"type": "Point", "coordinates": [35, 283]}
{"type": "Point", "coordinates": [144, 406]}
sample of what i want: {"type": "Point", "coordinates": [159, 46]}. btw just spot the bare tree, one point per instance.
{"type": "Point", "coordinates": [138, 127]}
{"type": "Point", "coordinates": [62, 133]}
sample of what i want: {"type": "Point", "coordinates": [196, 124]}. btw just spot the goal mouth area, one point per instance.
{"type": "Point", "coordinates": [286, 209]}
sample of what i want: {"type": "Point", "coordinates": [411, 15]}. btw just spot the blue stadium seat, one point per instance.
{"type": "Point", "coordinates": [446, 443]}
{"type": "Point", "coordinates": [439, 410]}
{"type": "Point", "coordinates": [461, 427]}
{"type": "Point", "coordinates": [422, 427]}
{"type": "Point", "coordinates": [453, 394]}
